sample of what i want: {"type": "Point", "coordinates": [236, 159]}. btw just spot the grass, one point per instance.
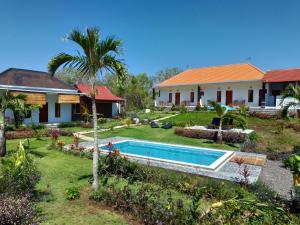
{"type": "Point", "coordinates": [162, 135]}
{"type": "Point", "coordinates": [59, 171]}
{"type": "Point", "coordinates": [270, 136]}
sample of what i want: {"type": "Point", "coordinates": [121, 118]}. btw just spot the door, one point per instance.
{"type": "Point", "coordinates": [228, 97]}
{"type": "Point", "coordinates": [261, 97]}
{"type": "Point", "coordinates": [43, 114]}
{"type": "Point", "coordinates": [177, 98]}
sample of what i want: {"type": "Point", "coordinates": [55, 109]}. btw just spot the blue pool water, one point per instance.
{"type": "Point", "coordinates": [168, 152]}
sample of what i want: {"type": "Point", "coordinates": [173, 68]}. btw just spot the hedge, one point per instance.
{"type": "Point", "coordinates": [228, 136]}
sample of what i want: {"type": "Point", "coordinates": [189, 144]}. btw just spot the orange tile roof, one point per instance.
{"type": "Point", "coordinates": [215, 74]}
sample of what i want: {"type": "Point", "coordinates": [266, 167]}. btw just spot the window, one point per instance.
{"type": "Point", "coordinates": [250, 95]}
{"type": "Point", "coordinates": [57, 110]}
{"type": "Point", "coordinates": [170, 97]}
{"type": "Point", "coordinates": [76, 108]}
{"type": "Point", "coordinates": [158, 93]}
{"type": "Point", "coordinates": [192, 97]}
{"type": "Point", "coordinates": [219, 96]}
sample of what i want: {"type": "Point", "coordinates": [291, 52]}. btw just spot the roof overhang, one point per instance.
{"type": "Point", "coordinates": [39, 89]}
{"type": "Point", "coordinates": [193, 84]}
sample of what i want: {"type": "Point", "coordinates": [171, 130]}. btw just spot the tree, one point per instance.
{"type": "Point", "coordinates": [290, 92]}
{"type": "Point", "coordinates": [7, 101]}
{"type": "Point", "coordinates": [17, 105]}
{"type": "Point", "coordinates": [165, 74]}
{"type": "Point", "coordinates": [222, 113]}
{"type": "Point", "coordinates": [97, 57]}
{"type": "Point", "coordinates": [70, 76]}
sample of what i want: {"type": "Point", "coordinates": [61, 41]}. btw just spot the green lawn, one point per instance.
{"type": "Point", "coordinates": [59, 171]}
{"type": "Point", "coordinates": [161, 135]}
{"type": "Point", "coordinates": [270, 137]}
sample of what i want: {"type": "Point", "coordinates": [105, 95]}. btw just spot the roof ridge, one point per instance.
{"type": "Point", "coordinates": [294, 68]}
{"type": "Point", "coordinates": [35, 71]}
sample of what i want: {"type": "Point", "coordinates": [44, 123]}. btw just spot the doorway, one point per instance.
{"type": "Point", "coordinates": [43, 114]}
{"type": "Point", "coordinates": [228, 97]}
{"type": "Point", "coordinates": [177, 98]}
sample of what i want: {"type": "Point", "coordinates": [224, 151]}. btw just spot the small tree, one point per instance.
{"type": "Point", "coordinates": [7, 101]}
{"type": "Point", "coordinates": [97, 56]}
{"type": "Point", "coordinates": [290, 92]}
{"type": "Point", "coordinates": [222, 113]}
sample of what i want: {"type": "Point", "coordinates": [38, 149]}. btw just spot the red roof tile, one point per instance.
{"type": "Point", "coordinates": [103, 94]}
{"type": "Point", "coordinates": [285, 75]}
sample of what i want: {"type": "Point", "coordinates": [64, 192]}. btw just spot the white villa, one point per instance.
{"type": "Point", "coordinates": [234, 85]}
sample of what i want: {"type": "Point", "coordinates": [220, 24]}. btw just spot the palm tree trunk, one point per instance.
{"type": "Point", "coordinates": [96, 151]}
{"type": "Point", "coordinates": [2, 135]}
{"type": "Point", "coordinates": [219, 133]}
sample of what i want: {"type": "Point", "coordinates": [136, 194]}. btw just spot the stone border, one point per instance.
{"type": "Point", "coordinates": [226, 171]}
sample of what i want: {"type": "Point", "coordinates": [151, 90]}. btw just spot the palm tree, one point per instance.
{"type": "Point", "coordinates": [290, 92]}
{"type": "Point", "coordinates": [98, 56]}
{"type": "Point", "coordinates": [8, 101]}
{"type": "Point", "coordinates": [222, 113]}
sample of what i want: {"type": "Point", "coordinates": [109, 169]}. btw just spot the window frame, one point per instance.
{"type": "Point", "coordinates": [57, 109]}
{"type": "Point", "coordinates": [170, 97]}
{"type": "Point", "coordinates": [192, 96]}
{"type": "Point", "coordinates": [250, 95]}
{"type": "Point", "coordinates": [219, 96]}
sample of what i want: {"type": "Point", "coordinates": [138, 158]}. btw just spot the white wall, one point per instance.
{"type": "Point", "coordinates": [65, 113]}
{"type": "Point", "coordinates": [239, 89]}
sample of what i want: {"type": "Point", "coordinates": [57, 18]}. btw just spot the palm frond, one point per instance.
{"type": "Point", "coordinates": [285, 109]}
{"type": "Point", "coordinates": [220, 110]}
{"type": "Point", "coordinates": [110, 45]}
{"type": "Point", "coordinates": [66, 60]}
{"type": "Point", "coordinates": [240, 120]}
{"type": "Point", "coordinates": [117, 67]}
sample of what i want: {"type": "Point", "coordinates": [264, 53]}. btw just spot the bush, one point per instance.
{"type": "Point", "coordinates": [69, 124]}
{"type": "Point", "coordinates": [16, 210]}
{"type": "Point", "coordinates": [261, 115]}
{"type": "Point", "coordinates": [19, 173]}
{"type": "Point", "coordinates": [233, 137]}
{"type": "Point", "coordinates": [72, 193]}
{"type": "Point", "coordinates": [10, 128]}
{"type": "Point", "coordinates": [37, 126]}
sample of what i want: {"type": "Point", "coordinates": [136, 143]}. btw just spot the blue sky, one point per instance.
{"type": "Point", "coordinates": [156, 34]}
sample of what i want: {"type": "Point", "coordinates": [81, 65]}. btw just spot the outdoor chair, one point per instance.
{"type": "Point", "coordinates": [167, 126]}
{"type": "Point", "coordinates": [154, 125]}
{"type": "Point", "coordinates": [215, 123]}
{"type": "Point", "coordinates": [227, 124]}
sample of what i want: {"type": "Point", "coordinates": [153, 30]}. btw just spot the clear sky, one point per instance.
{"type": "Point", "coordinates": [156, 34]}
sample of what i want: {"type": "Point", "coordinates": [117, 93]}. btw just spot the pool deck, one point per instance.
{"type": "Point", "coordinates": [228, 170]}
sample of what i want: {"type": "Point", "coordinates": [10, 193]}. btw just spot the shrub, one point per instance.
{"type": "Point", "coordinates": [69, 124]}
{"type": "Point", "coordinates": [10, 128]}
{"type": "Point", "coordinates": [72, 193]}
{"type": "Point", "coordinates": [261, 115]}
{"type": "Point", "coordinates": [233, 137]}
{"type": "Point", "coordinates": [16, 210]}
{"type": "Point", "coordinates": [37, 126]}
{"type": "Point", "coordinates": [128, 122]}
{"type": "Point", "coordinates": [19, 173]}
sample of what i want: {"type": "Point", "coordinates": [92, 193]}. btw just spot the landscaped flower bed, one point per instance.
{"type": "Point", "coordinates": [29, 133]}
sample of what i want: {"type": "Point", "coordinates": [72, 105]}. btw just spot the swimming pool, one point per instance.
{"type": "Point", "coordinates": [179, 154]}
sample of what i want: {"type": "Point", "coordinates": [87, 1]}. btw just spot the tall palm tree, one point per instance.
{"type": "Point", "coordinates": [97, 56]}
{"type": "Point", "coordinates": [290, 92]}
{"type": "Point", "coordinates": [222, 113]}
{"type": "Point", "coordinates": [8, 101]}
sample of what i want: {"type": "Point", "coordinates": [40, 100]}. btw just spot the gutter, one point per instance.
{"type": "Point", "coordinates": [38, 89]}
{"type": "Point", "coordinates": [193, 84]}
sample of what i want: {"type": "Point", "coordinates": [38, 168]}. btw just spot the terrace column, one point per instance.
{"type": "Point", "coordinates": [199, 95]}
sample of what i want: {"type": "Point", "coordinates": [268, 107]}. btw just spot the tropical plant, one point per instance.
{"type": "Point", "coordinates": [98, 56]}
{"type": "Point", "coordinates": [7, 100]}
{"type": "Point", "coordinates": [18, 173]}
{"type": "Point", "coordinates": [222, 113]}
{"type": "Point", "coordinates": [290, 92]}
